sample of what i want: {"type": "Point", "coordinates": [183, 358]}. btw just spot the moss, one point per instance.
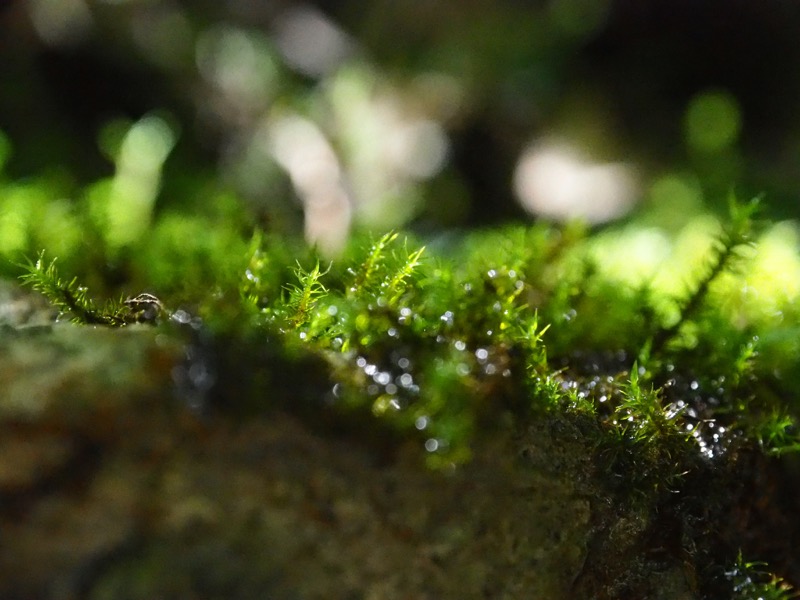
{"type": "Point", "coordinates": [451, 344]}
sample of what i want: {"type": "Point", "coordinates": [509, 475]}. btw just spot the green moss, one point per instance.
{"type": "Point", "coordinates": [449, 344]}
{"type": "Point", "coordinates": [752, 582]}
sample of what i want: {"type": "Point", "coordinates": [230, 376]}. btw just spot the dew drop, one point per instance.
{"type": "Point", "coordinates": [181, 316]}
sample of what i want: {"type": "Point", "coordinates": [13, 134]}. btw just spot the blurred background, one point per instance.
{"type": "Point", "coordinates": [126, 122]}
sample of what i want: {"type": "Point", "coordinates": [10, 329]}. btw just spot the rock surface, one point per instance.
{"type": "Point", "coordinates": [111, 487]}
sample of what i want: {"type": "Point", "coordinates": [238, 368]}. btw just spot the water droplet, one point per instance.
{"type": "Point", "coordinates": [431, 445]}
{"type": "Point", "coordinates": [199, 376]}
{"type": "Point", "coordinates": [482, 354]}
{"type": "Point", "coordinates": [694, 385]}
{"type": "Point", "coordinates": [491, 273]}
{"type": "Point", "coordinates": [403, 363]}
{"type": "Point", "coordinates": [333, 310]}
{"type": "Point", "coordinates": [447, 318]}
{"type": "Point", "coordinates": [406, 380]}
{"type": "Point", "coordinates": [459, 345]}
{"type": "Point", "coordinates": [421, 423]}
{"type": "Point", "coordinates": [391, 388]}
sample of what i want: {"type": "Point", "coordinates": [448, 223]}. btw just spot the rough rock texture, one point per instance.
{"type": "Point", "coordinates": [111, 487]}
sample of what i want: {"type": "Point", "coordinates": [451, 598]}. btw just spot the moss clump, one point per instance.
{"type": "Point", "coordinates": [449, 346]}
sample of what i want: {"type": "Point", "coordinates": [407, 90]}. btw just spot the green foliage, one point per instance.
{"type": "Point", "coordinates": [505, 323]}
{"type": "Point", "coordinates": [303, 298]}
{"type": "Point", "coordinates": [777, 432]}
{"type": "Point", "coordinates": [751, 582]}
{"type": "Point", "coordinates": [736, 236]}
{"type": "Point", "coordinates": [70, 297]}
{"type": "Point", "coordinates": [448, 347]}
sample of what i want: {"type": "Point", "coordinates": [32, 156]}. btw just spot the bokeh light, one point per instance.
{"type": "Point", "coordinates": [713, 121]}
{"type": "Point", "coordinates": [554, 180]}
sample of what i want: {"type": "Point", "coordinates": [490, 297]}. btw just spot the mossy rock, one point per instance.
{"type": "Point", "coordinates": [504, 420]}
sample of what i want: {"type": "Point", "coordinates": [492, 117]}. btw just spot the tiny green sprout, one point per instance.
{"type": "Point", "coordinates": [70, 297]}
{"type": "Point", "coordinates": [368, 274]}
{"type": "Point", "coordinates": [398, 282]}
{"type": "Point", "coordinates": [73, 299]}
{"type": "Point", "coordinates": [303, 298]}
{"type": "Point", "coordinates": [777, 433]}
{"type": "Point", "coordinates": [751, 582]}
{"type": "Point", "coordinates": [735, 236]}
{"type": "Point", "coordinates": [641, 411]}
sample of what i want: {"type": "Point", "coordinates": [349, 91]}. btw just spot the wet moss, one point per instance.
{"type": "Point", "coordinates": [655, 402]}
